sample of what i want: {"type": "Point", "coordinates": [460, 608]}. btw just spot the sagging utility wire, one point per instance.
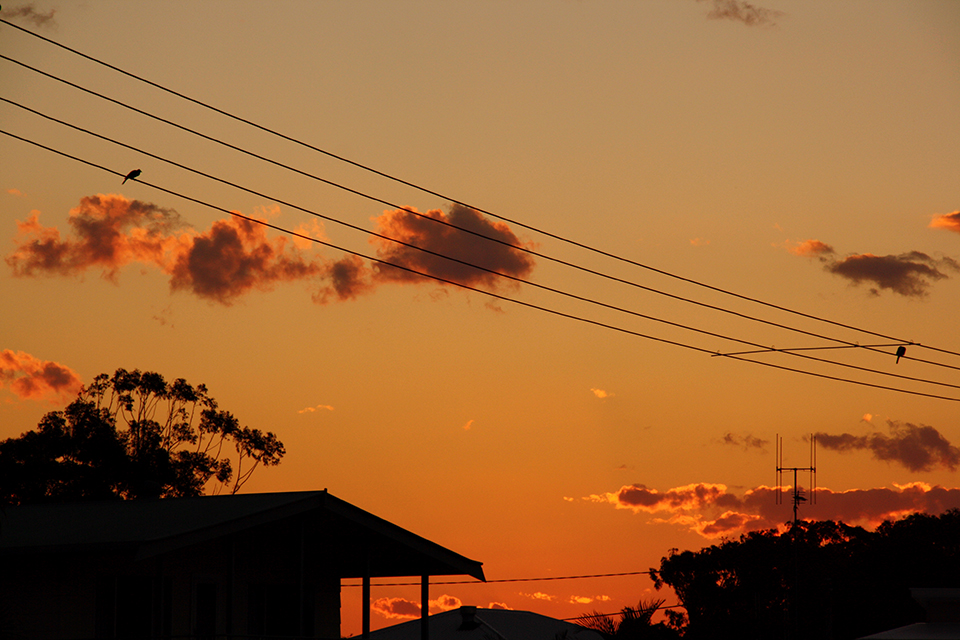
{"type": "Point", "coordinates": [484, 211]}
{"type": "Point", "coordinates": [461, 285]}
{"type": "Point", "coordinates": [467, 263]}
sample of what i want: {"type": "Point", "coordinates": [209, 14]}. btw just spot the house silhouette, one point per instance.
{"type": "Point", "coordinates": [251, 565]}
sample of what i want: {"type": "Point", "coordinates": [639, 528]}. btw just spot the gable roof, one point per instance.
{"type": "Point", "coordinates": [150, 527]}
{"type": "Point", "coordinates": [488, 624]}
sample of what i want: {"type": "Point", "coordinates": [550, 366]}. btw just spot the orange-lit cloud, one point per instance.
{"type": "Point", "coordinates": [699, 242]}
{"type": "Point", "coordinates": [440, 238]}
{"type": "Point", "coordinates": [29, 13]}
{"type": "Point", "coordinates": [588, 599]}
{"type": "Point", "coordinates": [15, 193]}
{"type": "Point", "coordinates": [712, 511]}
{"type": "Point", "coordinates": [395, 608]}
{"type": "Point", "coordinates": [319, 407]}
{"type": "Point", "coordinates": [811, 249]}
{"type": "Point", "coordinates": [745, 12]}
{"type": "Point", "coordinates": [916, 447]}
{"type": "Point", "coordinates": [33, 379]}
{"type": "Point", "coordinates": [539, 595]}
{"type": "Point", "coordinates": [236, 256]}
{"type": "Point", "coordinates": [499, 605]}
{"type": "Point", "coordinates": [401, 608]}
{"type": "Point", "coordinates": [109, 231]}
{"type": "Point", "coordinates": [908, 274]}
{"type": "Point", "coordinates": [948, 221]}
{"type": "Point", "coordinates": [600, 393]}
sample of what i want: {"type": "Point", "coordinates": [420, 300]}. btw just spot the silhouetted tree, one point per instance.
{"type": "Point", "coordinates": [815, 580]}
{"type": "Point", "coordinates": [634, 623]}
{"type": "Point", "coordinates": [133, 435]}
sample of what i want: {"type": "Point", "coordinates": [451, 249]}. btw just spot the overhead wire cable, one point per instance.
{"type": "Point", "coordinates": [467, 287]}
{"type": "Point", "coordinates": [469, 264]}
{"type": "Point", "coordinates": [492, 581]}
{"type": "Point", "coordinates": [465, 230]}
{"type": "Point", "coordinates": [478, 209]}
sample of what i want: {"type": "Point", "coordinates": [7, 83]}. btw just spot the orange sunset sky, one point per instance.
{"type": "Point", "coordinates": [636, 163]}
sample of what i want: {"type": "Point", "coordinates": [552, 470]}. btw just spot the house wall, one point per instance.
{"type": "Point", "coordinates": [266, 580]}
{"type": "Point", "coordinates": [46, 599]}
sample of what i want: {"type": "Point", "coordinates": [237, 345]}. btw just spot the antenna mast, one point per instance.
{"type": "Point", "coordinates": [798, 496]}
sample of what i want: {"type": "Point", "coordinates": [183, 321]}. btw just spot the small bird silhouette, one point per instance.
{"type": "Point", "coordinates": [901, 350]}
{"type": "Point", "coordinates": [131, 176]}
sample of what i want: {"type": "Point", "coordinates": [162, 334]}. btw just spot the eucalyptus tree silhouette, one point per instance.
{"type": "Point", "coordinates": [133, 435]}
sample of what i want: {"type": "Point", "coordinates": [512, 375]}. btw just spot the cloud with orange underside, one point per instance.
{"type": "Point", "coordinates": [236, 256]}
{"type": "Point", "coordinates": [909, 274]}
{"type": "Point", "coordinates": [463, 234]}
{"type": "Point", "coordinates": [402, 608]}
{"type": "Point", "coordinates": [31, 378]}
{"type": "Point", "coordinates": [712, 511]}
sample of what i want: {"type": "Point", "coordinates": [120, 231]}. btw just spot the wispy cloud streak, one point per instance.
{"type": "Point", "coordinates": [28, 13]}
{"type": "Point", "coordinates": [745, 12]}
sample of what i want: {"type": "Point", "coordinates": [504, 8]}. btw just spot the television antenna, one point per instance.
{"type": "Point", "coordinates": [798, 496]}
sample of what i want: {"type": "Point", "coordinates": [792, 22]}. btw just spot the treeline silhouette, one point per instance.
{"type": "Point", "coordinates": [815, 580]}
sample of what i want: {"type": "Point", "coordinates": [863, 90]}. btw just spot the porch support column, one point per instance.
{"type": "Point", "coordinates": [366, 599]}
{"type": "Point", "coordinates": [424, 607]}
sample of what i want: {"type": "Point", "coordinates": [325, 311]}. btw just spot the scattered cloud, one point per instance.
{"type": "Point", "coordinates": [395, 608]}
{"type": "Point", "coordinates": [235, 256]}
{"type": "Point", "coordinates": [600, 393]}
{"type": "Point", "coordinates": [539, 595]}
{"type": "Point", "coordinates": [16, 193]}
{"type": "Point", "coordinates": [109, 232]}
{"type": "Point", "coordinates": [319, 407]}
{"type": "Point", "coordinates": [747, 441]}
{"type": "Point", "coordinates": [30, 378]}
{"type": "Point", "coordinates": [588, 599]}
{"type": "Point", "coordinates": [29, 13]}
{"type": "Point", "coordinates": [916, 447]}
{"type": "Point", "coordinates": [499, 605]}
{"type": "Point", "coordinates": [433, 231]}
{"type": "Point", "coordinates": [745, 12]}
{"type": "Point", "coordinates": [908, 274]}
{"type": "Point", "coordinates": [712, 511]}
{"type": "Point", "coordinates": [401, 608]}
{"type": "Point", "coordinates": [811, 249]}
{"type": "Point", "coordinates": [699, 242]}
{"type": "Point", "coordinates": [867, 417]}
{"type": "Point", "coordinates": [469, 425]}
{"type": "Point", "coordinates": [948, 221]}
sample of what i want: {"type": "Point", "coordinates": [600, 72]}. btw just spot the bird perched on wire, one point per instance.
{"type": "Point", "coordinates": [131, 176]}
{"type": "Point", "coordinates": [901, 350]}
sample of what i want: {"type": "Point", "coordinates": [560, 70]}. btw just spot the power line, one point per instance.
{"type": "Point", "coordinates": [478, 209]}
{"type": "Point", "coordinates": [469, 264]}
{"type": "Point", "coordinates": [527, 250]}
{"type": "Point", "coordinates": [542, 579]}
{"type": "Point", "coordinates": [497, 296]}
{"type": "Point", "coordinates": [423, 216]}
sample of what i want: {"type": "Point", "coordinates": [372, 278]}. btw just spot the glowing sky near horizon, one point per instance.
{"type": "Point", "coordinates": [801, 153]}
